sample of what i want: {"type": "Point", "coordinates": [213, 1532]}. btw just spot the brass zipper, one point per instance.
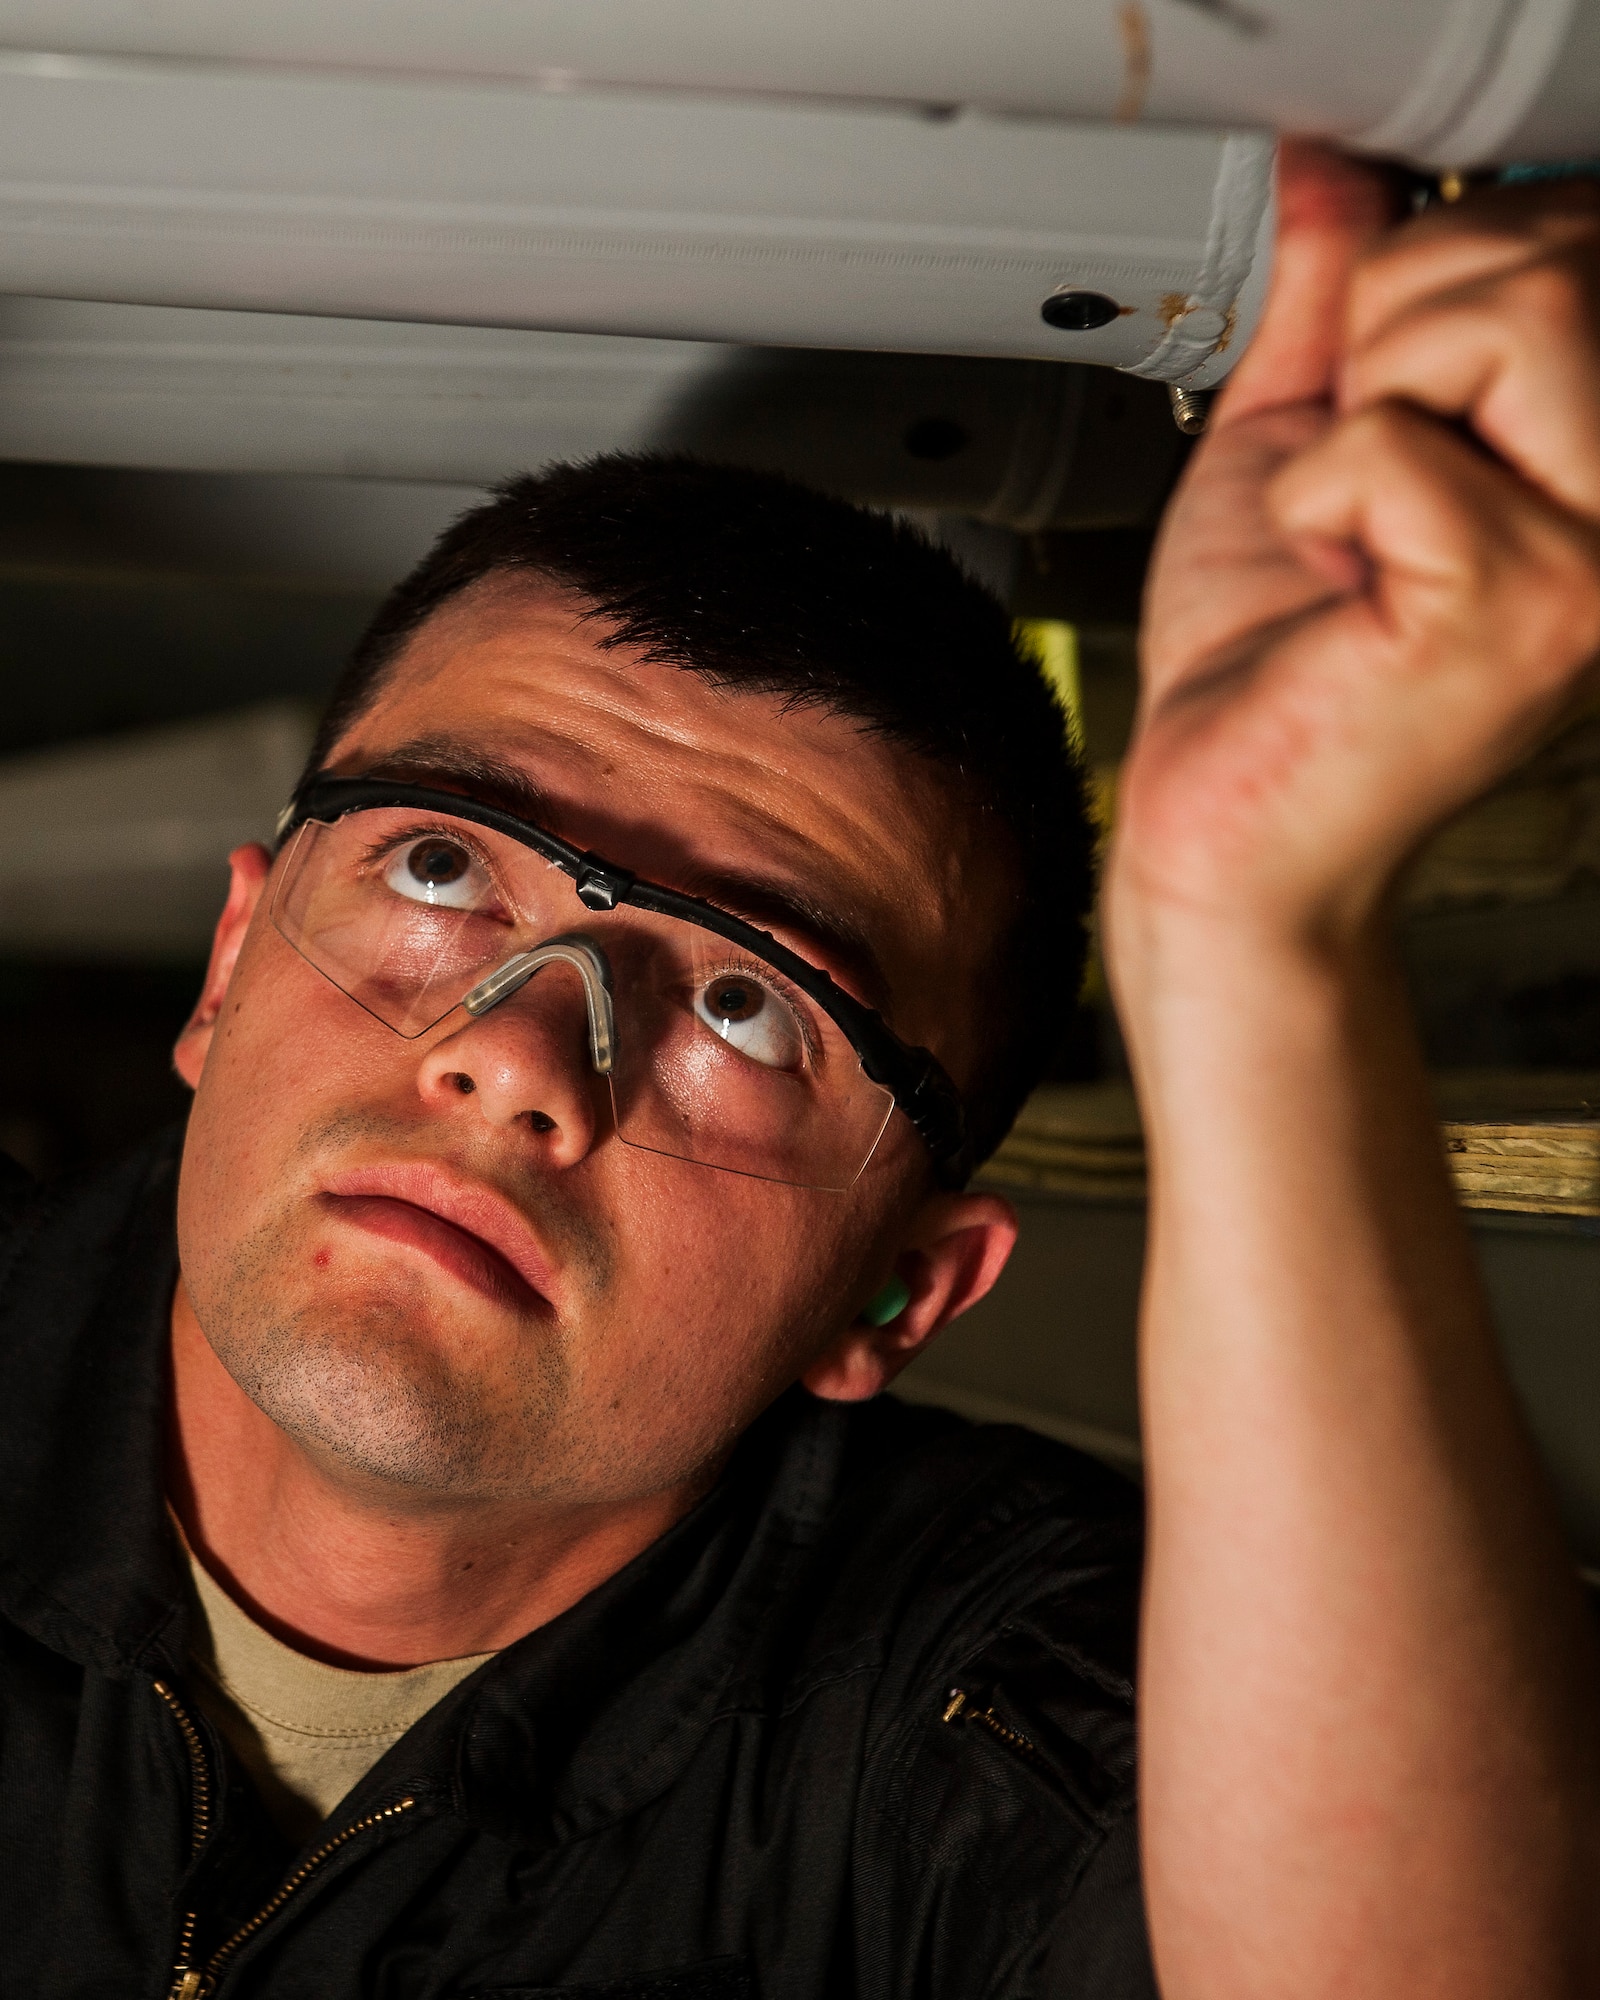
{"type": "Point", "coordinates": [959, 1708]}
{"type": "Point", "coordinates": [199, 1769]}
{"type": "Point", "coordinates": [206, 1983]}
{"type": "Point", "coordinates": [185, 1979]}
{"type": "Point", "coordinates": [192, 1982]}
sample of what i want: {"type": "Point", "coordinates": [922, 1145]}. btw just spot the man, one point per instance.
{"type": "Point", "coordinates": [517, 1197]}
{"type": "Point", "coordinates": [585, 1094]}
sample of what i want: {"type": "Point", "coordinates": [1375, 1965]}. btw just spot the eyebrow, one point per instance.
{"type": "Point", "coordinates": [449, 765]}
{"type": "Point", "coordinates": [824, 932]}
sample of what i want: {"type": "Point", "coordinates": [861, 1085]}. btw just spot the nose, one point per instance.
{"type": "Point", "coordinates": [528, 1064]}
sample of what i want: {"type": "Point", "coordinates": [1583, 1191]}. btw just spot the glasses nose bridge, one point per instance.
{"type": "Point", "coordinates": [586, 959]}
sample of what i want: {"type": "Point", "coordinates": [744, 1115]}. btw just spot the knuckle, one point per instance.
{"type": "Point", "coordinates": [1582, 592]}
{"type": "Point", "coordinates": [1381, 286]}
{"type": "Point", "coordinates": [1556, 599]}
{"type": "Point", "coordinates": [1388, 429]}
{"type": "Point", "coordinates": [1551, 297]}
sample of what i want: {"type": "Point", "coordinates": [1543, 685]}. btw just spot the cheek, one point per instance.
{"type": "Point", "coordinates": [263, 1086]}
{"type": "Point", "coordinates": [728, 1288]}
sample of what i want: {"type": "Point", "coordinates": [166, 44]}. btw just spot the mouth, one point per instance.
{"type": "Point", "coordinates": [462, 1226]}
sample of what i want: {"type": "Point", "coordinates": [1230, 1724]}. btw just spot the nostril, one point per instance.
{"type": "Point", "coordinates": [541, 1122]}
{"type": "Point", "coordinates": [463, 1082]}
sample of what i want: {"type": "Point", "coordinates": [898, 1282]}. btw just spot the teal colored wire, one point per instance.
{"type": "Point", "coordinates": [1546, 170]}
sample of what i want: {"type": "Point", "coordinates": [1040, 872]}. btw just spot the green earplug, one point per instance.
{"type": "Point", "coordinates": [888, 1303]}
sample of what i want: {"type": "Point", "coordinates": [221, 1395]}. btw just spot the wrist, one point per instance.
{"type": "Point", "coordinates": [1181, 893]}
{"type": "Point", "coordinates": [1157, 944]}
{"type": "Point", "coordinates": [1235, 984]}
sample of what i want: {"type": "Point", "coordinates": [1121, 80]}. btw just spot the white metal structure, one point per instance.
{"type": "Point", "coordinates": [1023, 445]}
{"type": "Point", "coordinates": [504, 204]}
{"type": "Point", "coordinates": [120, 845]}
{"type": "Point", "coordinates": [908, 174]}
{"type": "Point", "coordinates": [1451, 82]}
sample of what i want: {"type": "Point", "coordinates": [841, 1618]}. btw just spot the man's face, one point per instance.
{"type": "Point", "coordinates": [432, 1262]}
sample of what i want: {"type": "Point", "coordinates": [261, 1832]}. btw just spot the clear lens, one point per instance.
{"type": "Point", "coordinates": [403, 915]}
{"type": "Point", "coordinates": [718, 1059]}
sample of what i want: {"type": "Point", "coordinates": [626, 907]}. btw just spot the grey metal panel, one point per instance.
{"type": "Point", "coordinates": [1544, 1282]}
{"type": "Point", "coordinates": [1567, 103]}
{"type": "Point", "coordinates": [1022, 444]}
{"type": "Point", "coordinates": [1052, 56]}
{"type": "Point", "coordinates": [120, 847]}
{"type": "Point", "coordinates": [1447, 80]}
{"type": "Point", "coordinates": [195, 390]}
{"type": "Point", "coordinates": [499, 205]}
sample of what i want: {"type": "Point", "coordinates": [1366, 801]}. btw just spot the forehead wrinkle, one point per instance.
{"type": "Point", "coordinates": [452, 763]}
{"type": "Point", "coordinates": [448, 764]}
{"type": "Point", "coordinates": [543, 695]}
{"type": "Point", "coordinates": [488, 771]}
{"type": "Point", "coordinates": [659, 710]}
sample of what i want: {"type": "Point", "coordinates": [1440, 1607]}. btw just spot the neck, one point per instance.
{"type": "Point", "coordinates": [360, 1577]}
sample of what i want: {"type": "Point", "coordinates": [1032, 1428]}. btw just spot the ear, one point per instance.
{"type": "Point", "coordinates": [957, 1246]}
{"type": "Point", "coordinates": [251, 867]}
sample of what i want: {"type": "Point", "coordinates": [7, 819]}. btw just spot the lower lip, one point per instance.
{"type": "Point", "coordinates": [454, 1250]}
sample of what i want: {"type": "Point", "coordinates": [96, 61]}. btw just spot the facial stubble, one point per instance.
{"type": "Point", "coordinates": [376, 1384]}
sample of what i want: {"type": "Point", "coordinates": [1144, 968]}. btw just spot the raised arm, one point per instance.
{"type": "Point", "coordinates": [1370, 1691]}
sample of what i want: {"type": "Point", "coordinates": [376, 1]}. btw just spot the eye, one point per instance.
{"type": "Point", "coordinates": [436, 869]}
{"type": "Point", "coordinates": [752, 1019]}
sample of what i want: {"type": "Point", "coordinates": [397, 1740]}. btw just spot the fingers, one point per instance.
{"type": "Point", "coordinates": [1492, 314]}
{"type": "Point", "coordinates": [1330, 209]}
{"type": "Point", "coordinates": [1493, 230]}
{"type": "Point", "coordinates": [1221, 566]}
{"type": "Point", "coordinates": [1475, 576]}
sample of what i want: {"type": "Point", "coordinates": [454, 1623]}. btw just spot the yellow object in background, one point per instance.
{"type": "Point", "coordinates": [1054, 644]}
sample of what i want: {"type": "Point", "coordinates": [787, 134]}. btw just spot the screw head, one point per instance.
{"type": "Point", "coordinates": [1078, 312]}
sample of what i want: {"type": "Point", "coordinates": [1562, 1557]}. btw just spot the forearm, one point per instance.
{"type": "Point", "coordinates": [1368, 1760]}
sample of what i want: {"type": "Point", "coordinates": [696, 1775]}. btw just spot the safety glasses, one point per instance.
{"type": "Point", "coordinates": [719, 1044]}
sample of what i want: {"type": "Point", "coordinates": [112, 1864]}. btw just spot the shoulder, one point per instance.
{"type": "Point", "coordinates": [61, 1244]}
{"type": "Point", "coordinates": [984, 1562]}
{"type": "Point", "coordinates": [996, 1814]}
{"type": "Point", "coordinates": [981, 1524]}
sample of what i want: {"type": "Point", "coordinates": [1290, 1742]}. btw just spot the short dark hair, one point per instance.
{"type": "Point", "coordinates": [764, 586]}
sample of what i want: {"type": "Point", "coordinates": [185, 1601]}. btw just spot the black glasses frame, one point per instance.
{"type": "Point", "coordinates": [915, 1078]}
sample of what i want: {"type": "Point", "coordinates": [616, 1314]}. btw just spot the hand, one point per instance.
{"type": "Point", "coordinates": [1367, 1714]}
{"type": "Point", "coordinates": [1379, 583]}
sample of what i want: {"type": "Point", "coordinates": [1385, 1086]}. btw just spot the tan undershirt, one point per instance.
{"type": "Point", "coordinates": [306, 1732]}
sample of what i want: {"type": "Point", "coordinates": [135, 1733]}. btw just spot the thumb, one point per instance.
{"type": "Point", "coordinates": [1330, 207]}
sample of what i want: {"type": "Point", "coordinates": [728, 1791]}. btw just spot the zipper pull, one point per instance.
{"type": "Point", "coordinates": [188, 1984]}
{"type": "Point", "coordinates": [961, 1708]}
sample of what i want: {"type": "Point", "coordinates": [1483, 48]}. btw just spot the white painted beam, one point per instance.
{"type": "Point", "coordinates": [666, 215]}
{"type": "Point", "coordinates": [117, 849]}
{"type": "Point", "coordinates": [1449, 80]}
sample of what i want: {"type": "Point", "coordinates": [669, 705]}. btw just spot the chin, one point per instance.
{"type": "Point", "coordinates": [393, 1387]}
